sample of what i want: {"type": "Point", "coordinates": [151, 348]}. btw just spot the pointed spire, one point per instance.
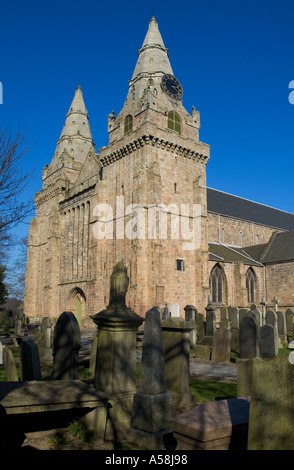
{"type": "Point", "coordinates": [75, 141]}
{"type": "Point", "coordinates": [153, 55]}
{"type": "Point", "coordinates": [77, 119]}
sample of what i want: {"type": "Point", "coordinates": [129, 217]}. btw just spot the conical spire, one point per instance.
{"type": "Point", "coordinates": [75, 141]}
{"type": "Point", "coordinates": [153, 55]}
{"type": "Point", "coordinates": [77, 119]}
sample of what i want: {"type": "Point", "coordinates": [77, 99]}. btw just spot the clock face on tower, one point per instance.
{"type": "Point", "coordinates": [171, 86]}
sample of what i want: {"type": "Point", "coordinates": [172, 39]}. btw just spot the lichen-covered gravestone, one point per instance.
{"type": "Point", "coordinates": [66, 345]}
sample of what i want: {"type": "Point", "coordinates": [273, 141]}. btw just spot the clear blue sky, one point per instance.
{"type": "Point", "coordinates": [233, 58]}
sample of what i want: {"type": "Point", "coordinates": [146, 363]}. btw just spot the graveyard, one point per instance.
{"type": "Point", "coordinates": [168, 380]}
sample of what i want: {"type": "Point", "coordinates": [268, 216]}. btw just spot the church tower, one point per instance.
{"type": "Point", "coordinates": [155, 159]}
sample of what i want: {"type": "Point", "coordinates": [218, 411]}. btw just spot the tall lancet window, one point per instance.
{"type": "Point", "coordinates": [174, 122]}
{"type": "Point", "coordinates": [217, 284]}
{"type": "Point", "coordinates": [128, 124]}
{"type": "Point", "coordinates": [250, 285]}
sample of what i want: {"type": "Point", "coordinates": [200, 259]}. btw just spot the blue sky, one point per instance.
{"type": "Point", "coordinates": [234, 60]}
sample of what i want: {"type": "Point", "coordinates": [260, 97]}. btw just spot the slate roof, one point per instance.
{"type": "Point", "coordinates": [229, 254]}
{"type": "Point", "coordinates": [279, 248]}
{"type": "Point", "coordinates": [237, 207]}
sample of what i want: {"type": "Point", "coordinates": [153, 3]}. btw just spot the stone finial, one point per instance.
{"type": "Point", "coordinates": [119, 283]}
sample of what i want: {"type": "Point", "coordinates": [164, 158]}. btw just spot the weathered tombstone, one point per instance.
{"type": "Point", "coordinates": [243, 312]}
{"type": "Point", "coordinates": [257, 313]}
{"type": "Point", "coordinates": [235, 342]}
{"type": "Point", "coordinates": [200, 329]}
{"type": "Point", "coordinates": [9, 365]}
{"type": "Point", "coordinates": [175, 310]}
{"type": "Point", "coordinates": [289, 320]}
{"type": "Point", "coordinates": [233, 313]}
{"type": "Point", "coordinates": [221, 350]}
{"type": "Point", "coordinates": [66, 345]}
{"type": "Point", "coordinates": [271, 424]}
{"type": "Point", "coordinates": [271, 318]}
{"type": "Point", "coordinates": [224, 317]}
{"type": "Point", "coordinates": [190, 314]}
{"type": "Point", "coordinates": [249, 337]}
{"type": "Point", "coordinates": [263, 309]}
{"type": "Point", "coordinates": [165, 314]}
{"type": "Point", "coordinates": [268, 341]}
{"type": "Point", "coordinates": [152, 406]}
{"type": "Point", "coordinates": [115, 372]}
{"type": "Point", "coordinates": [29, 361]}
{"type": "Point", "coordinates": [176, 347]}
{"type": "Point", "coordinates": [282, 327]}
{"type": "Point", "coordinates": [210, 321]}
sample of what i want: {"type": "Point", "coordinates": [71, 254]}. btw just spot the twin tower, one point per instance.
{"type": "Point", "coordinates": [95, 206]}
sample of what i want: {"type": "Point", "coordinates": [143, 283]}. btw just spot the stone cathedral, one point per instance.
{"type": "Point", "coordinates": [86, 218]}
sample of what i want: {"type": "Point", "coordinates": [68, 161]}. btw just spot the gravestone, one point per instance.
{"type": "Point", "coordinates": [224, 317]}
{"type": "Point", "coordinates": [115, 372]}
{"type": "Point", "coordinates": [9, 365]}
{"type": "Point", "coordinates": [249, 337]}
{"type": "Point", "coordinates": [29, 361]}
{"type": "Point", "coordinates": [165, 314]}
{"type": "Point", "coordinates": [268, 341]}
{"type": "Point", "coordinates": [175, 310]}
{"type": "Point", "coordinates": [289, 320]}
{"type": "Point", "coordinates": [282, 327]}
{"type": "Point", "coordinates": [243, 312]}
{"type": "Point", "coordinates": [190, 314]}
{"type": "Point", "coordinates": [200, 329]}
{"type": "Point", "coordinates": [257, 313]}
{"type": "Point", "coordinates": [176, 347]}
{"type": "Point", "coordinates": [271, 424]}
{"type": "Point", "coordinates": [233, 313]}
{"type": "Point", "coordinates": [221, 350]}
{"type": "Point", "coordinates": [271, 318]}
{"type": "Point", "coordinates": [66, 345]}
{"type": "Point", "coordinates": [152, 406]}
{"type": "Point", "coordinates": [210, 321]}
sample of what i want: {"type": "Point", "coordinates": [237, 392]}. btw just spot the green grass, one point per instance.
{"type": "Point", "coordinates": [210, 391]}
{"type": "Point", "coordinates": [81, 431]}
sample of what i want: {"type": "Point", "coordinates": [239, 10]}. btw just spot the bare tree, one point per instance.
{"type": "Point", "coordinates": [13, 181]}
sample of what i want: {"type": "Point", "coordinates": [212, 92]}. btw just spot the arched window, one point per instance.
{"type": "Point", "coordinates": [217, 284]}
{"type": "Point", "coordinates": [128, 124]}
{"type": "Point", "coordinates": [174, 122]}
{"type": "Point", "coordinates": [250, 285]}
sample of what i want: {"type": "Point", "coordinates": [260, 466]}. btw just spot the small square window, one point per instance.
{"type": "Point", "coordinates": [180, 265]}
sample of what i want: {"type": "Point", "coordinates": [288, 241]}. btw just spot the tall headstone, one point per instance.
{"type": "Point", "coordinates": [152, 407]}
{"type": "Point", "coordinates": [282, 327]}
{"type": "Point", "coordinates": [243, 312]}
{"type": "Point", "coordinates": [9, 365]}
{"type": "Point", "coordinates": [66, 346]}
{"type": "Point", "coordinates": [190, 314]}
{"type": "Point", "coordinates": [289, 321]}
{"type": "Point", "coordinates": [268, 341]}
{"type": "Point", "coordinates": [210, 321]}
{"type": "Point", "coordinates": [115, 372]}
{"type": "Point", "coordinates": [257, 313]}
{"type": "Point", "coordinates": [175, 310]}
{"type": "Point", "coordinates": [233, 313]}
{"type": "Point", "coordinates": [176, 347]}
{"type": "Point", "coordinates": [165, 314]}
{"type": "Point", "coordinates": [271, 318]}
{"type": "Point", "coordinates": [200, 328]}
{"type": "Point", "coordinates": [271, 424]}
{"type": "Point", "coordinates": [221, 350]}
{"type": "Point", "coordinates": [249, 337]}
{"type": "Point", "coordinates": [29, 361]}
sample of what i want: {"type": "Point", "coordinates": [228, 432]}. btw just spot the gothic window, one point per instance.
{"type": "Point", "coordinates": [128, 124]}
{"type": "Point", "coordinates": [174, 122]}
{"type": "Point", "coordinates": [216, 284]}
{"type": "Point", "coordinates": [250, 285]}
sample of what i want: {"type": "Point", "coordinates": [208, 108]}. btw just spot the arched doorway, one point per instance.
{"type": "Point", "coordinates": [77, 304]}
